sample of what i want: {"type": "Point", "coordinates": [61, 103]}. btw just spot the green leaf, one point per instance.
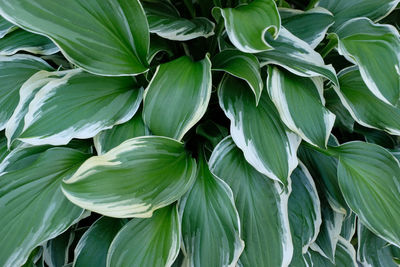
{"type": "Point", "coordinates": [241, 65]}
{"type": "Point", "coordinates": [210, 222]}
{"type": "Point", "coordinates": [63, 97]}
{"type": "Point", "coordinates": [362, 104]}
{"type": "Point", "coordinates": [345, 256]}
{"type": "Point", "coordinates": [108, 139]}
{"type": "Point", "coordinates": [258, 131]}
{"type": "Point", "coordinates": [6, 27]}
{"type": "Point", "coordinates": [165, 21]}
{"type": "Point", "coordinates": [296, 56]}
{"type": "Point", "coordinates": [177, 96]}
{"type": "Point", "coordinates": [106, 38]}
{"type": "Point", "coordinates": [14, 71]}
{"type": "Point", "coordinates": [344, 10]}
{"type": "Point", "coordinates": [262, 205]}
{"type": "Point", "coordinates": [369, 177]}
{"type": "Point", "coordinates": [246, 24]}
{"type": "Point", "coordinates": [334, 104]}
{"type": "Point", "coordinates": [33, 208]}
{"type": "Point", "coordinates": [375, 49]}
{"type": "Point", "coordinates": [349, 226]}
{"type": "Point", "coordinates": [3, 148]}
{"type": "Point", "coordinates": [93, 246]}
{"type": "Point", "coordinates": [20, 40]}
{"type": "Point", "coordinates": [372, 250]}
{"type": "Point", "coordinates": [133, 179]}
{"type": "Point", "coordinates": [148, 242]}
{"type": "Point", "coordinates": [300, 103]}
{"type": "Point", "coordinates": [310, 26]}
{"type": "Point", "coordinates": [56, 250]}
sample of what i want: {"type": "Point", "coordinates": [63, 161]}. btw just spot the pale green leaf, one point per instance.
{"type": "Point", "coordinates": [149, 242]}
{"type": "Point", "coordinates": [33, 208]}
{"type": "Point", "coordinates": [262, 205]}
{"type": "Point", "coordinates": [241, 65]}
{"type": "Point", "coordinates": [133, 179]}
{"type": "Point", "coordinates": [63, 97]}
{"type": "Point", "coordinates": [177, 96]}
{"type": "Point", "coordinates": [300, 103]}
{"type": "Point", "coordinates": [103, 37]}
{"type": "Point", "coordinates": [376, 50]}
{"type": "Point", "coordinates": [246, 24]}
{"type": "Point", "coordinates": [258, 131]}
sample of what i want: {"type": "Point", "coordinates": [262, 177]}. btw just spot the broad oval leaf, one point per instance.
{"type": "Point", "coordinates": [67, 95]}
{"type": "Point", "coordinates": [310, 26]}
{"type": "Point", "coordinates": [296, 56]}
{"type": "Point", "coordinates": [300, 103]}
{"type": "Point", "coordinates": [369, 177]}
{"type": "Point", "coordinates": [344, 10]}
{"type": "Point", "coordinates": [246, 24]}
{"type": "Point", "coordinates": [33, 208]}
{"type": "Point", "coordinates": [241, 65]}
{"type": "Point", "coordinates": [20, 40]}
{"type": "Point", "coordinates": [210, 222]}
{"type": "Point", "coordinates": [177, 96]}
{"type": "Point", "coordinates": [360, 41]}
{"type": "Point", "coordinates": [103, 37]}
{"type": "Point", "coordinates": [92, 248]}
{"type": "Point", "coordinates": [258, 131]}
{"type": "Point", "coordinates": [363, 105]}
{"type": "Point", "coordinates": [133, 179]}
{"type": "Point", "coordinates": [165, 21]}
{"type": "Point", "coordinates": [262, 205]}
{"type": "Point", "coordinates": [14, 71]}
{"type": "Point", "coordinates": [152, 241]}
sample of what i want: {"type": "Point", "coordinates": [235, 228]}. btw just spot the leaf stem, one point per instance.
{"type": "Point", "coordinates": [214, 41]}
{"type": "Point", "coordinates": [328, 152]}
{"type": "Point", "coordinates": [329, 47]}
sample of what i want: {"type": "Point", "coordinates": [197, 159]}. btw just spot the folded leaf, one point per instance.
{"type": "Point", "coordinates": [258, 131]}
{"type": "Point", "coordinates": [6, 27]}
{"type": "Point", "coordinates": [63, 97]}
{"type": "Point", "coordinates": [345, 256]}
{"type": "Point", "coordinates": [147, 242]}
{"type": "Point", "coordinates": [20, 40]}
{"type": "Point", "coordinates": [33, 208]}
{"type": "Point", "coordinates": [102, 37]}
{"type": "Point", "coordinates": [241, 65]}
{"type": "Point", "coordinates": [210, 222]}
{"type": "Point", "coordinates": [310, 26]}
{"type": "Point", "coordinates": [246, 24]}
{"type": "Point", "coordinates": [56, 250]}
{"type": "Point", "coordinates": [165, 21]}
{"type": "Point", "coordinates": [14, 71]}
{"type": "Point", "coordinates": [300, 103]}
{"type": "Point", "coordinates": [262, 205]}
{"type": "Point", "coordinates": [93, 246]}
{"type": "Point", "coordinates": [360, 41]}
{"type": "Point", "coordinates": [296, 56]}
{"type": "Point", "coordinates": [363, 105]}
{"type": "Point", "coordinates": [177, 96]}
{"type": "Point", "coordinates": [133, 179]}
{"type": "Point", "coordinates": [369, 177]}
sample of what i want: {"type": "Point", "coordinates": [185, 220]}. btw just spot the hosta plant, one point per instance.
{"type": "Point", "coordinates": [199, 133]}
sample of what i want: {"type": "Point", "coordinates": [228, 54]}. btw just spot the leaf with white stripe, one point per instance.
{"type": "Point", "coordinates": [300, 103]}
{"type": "Point", "coordinates": [149, 242]}
{"type": "Point", "coordinates": [20, 40]}
{"type": "Point", "coordinates": [83, 104]}
{"type": "Point", "coordinates": [6, 27]}
{"type": "Point", "coordinates": [345, 256]}
{"type": "Point", "coordinates": [369, 177]}
{"type": "Point", "coordinates": [349, 226]}
{"type": "Point", "coordinates": [14, 71]}
{"type": "Point", "coordinates": [241, 65]}
{"type": "Point", "coordinates": [310, 26]}
{"type": "Point", "coordinates": [165, 21]}
{"type": "Point", "coordinates": [262, 205]}
{"type": "Point", "coordinates": [210, 221]}
{"type": "Point", "coordinates": [360, 41]}
{"type": "Point", "coordinates": [33, 208]}
{"type": "Point", "coordinates": [103, 37]}
{"type": "Point", "coordinates": [133, 179]}
{"type": "Point", "coordinates": [298, 57]}
{"type": "Point", "coordinates": [177, 96]}
{"type": "Point", "coordinates": [246, 24]}
{"type": "Point", "coordinates": [363, 104]}
{"type": "Point", "coordinates": [258, 131]}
